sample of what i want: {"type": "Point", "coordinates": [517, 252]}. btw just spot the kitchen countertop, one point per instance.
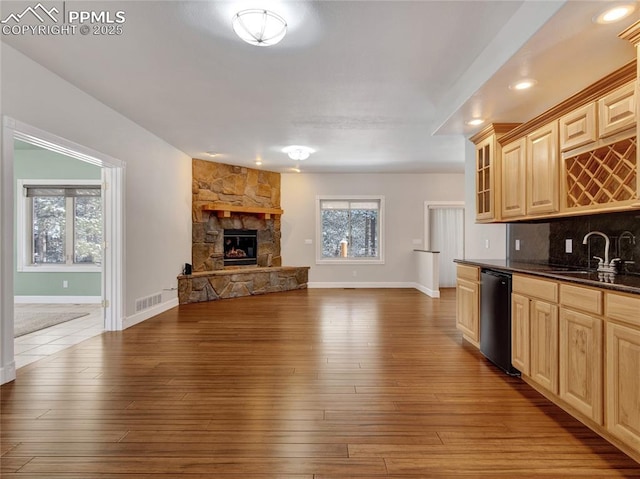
{"type": "Point", "coordinates": [626, 283]}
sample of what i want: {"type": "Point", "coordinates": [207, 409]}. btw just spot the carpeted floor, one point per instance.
{"type": "Point", "coordinates": [29, 321]}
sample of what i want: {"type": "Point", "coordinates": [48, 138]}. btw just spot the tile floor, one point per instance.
{"type": "Point", "coordinates": [39, 344]}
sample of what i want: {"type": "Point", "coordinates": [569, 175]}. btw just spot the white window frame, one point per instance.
{"type": "Point", "coordinates": [23, 231]}
{"type": "Point", "coordinates": [381, 230]}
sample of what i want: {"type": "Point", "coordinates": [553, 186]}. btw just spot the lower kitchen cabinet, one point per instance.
{"type": "Point", "coordinates": [581, 358]}
{"type": "Point", "coordinates": [543, 320]}
{"type": "Point", "coordinates": [468, 309]}
{"type": "Point", "coordinates": [623, 369]}
{"type": "Point", "coordinates": [520, 333]}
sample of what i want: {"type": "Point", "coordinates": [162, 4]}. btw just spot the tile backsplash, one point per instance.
{"type": "Point", "coordinates": [546, 242]}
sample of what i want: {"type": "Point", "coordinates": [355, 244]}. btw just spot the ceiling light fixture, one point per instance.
{"type": "Point", "coordinates": [523, 84]}
{"type": "Point", "coordinates": [475, 122]}
{"type": "Point", "coordinates": [259, 27]}
{"type": "Point", "coordinates": [614, 14]}
{"type": "Point", "coordinates": [212, 154]}
{"type": "Point", "coordinates": [297, 152]}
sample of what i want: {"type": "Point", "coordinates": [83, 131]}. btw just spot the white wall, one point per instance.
{"type": "Point", "coordinates": [404, 194]}
{"type": "Point", "coordinates": [158, 176]}
{"type": "Point", "coordinates": [476, 235]}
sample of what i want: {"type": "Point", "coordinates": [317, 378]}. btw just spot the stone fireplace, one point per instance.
{"type": "Point", "coordinates": [236, 235]}
{"type": "Point", "coordinates": [227, 197]}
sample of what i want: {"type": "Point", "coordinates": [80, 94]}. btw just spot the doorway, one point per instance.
{"type": "Point", "coordinates": [444, 232]}
{"type": "Point", "coordinates": [111, 181]}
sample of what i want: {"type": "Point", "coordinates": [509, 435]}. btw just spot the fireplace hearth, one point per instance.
{"type": "Point", "coordinates": [240, 247]}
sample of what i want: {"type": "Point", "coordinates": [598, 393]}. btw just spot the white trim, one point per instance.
{"type": "Point", "coordinates": [23, 233]}
{"type": "Point", "coordinates": [372, 285]}
{"type": "Point", "coordinates": [57, 299]}
{"type": "Point", "coordinates": [149, 313]}
{"type": "Point", "coordinates": [427, 291]}
{"type": "Point", "coordinates": [430, 205]}
{"type": "Point", "coordinates": [381, 230]}
{"type": "Point", "coordinates": [346, 284]}
{"type": "Point", "coordinates": [7, 363]}
{"type": "Point", "coordinates": [8, 373]}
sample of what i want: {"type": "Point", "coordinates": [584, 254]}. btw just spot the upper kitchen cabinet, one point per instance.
{"type": "Point", "coordinates": [513, 179]}
{"type": "Point", "coordinates": [580, 156]}
{"type": "Point", "coordinates": [542, 170]}
{"type": "Point", "coordinates": [617, 111]}
{"type": "Point", "coordinates": [488, 171]}
{"type": "Point", "coordinates": [579, 127]}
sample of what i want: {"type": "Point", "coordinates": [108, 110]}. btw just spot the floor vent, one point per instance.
{"type": "Point", "coordinates": [148, 302]}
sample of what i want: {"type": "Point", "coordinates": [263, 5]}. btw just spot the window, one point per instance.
{"type": "Point", "coordinates": [350, 229]}
{"type": "Point", "coordinates": [60, 226]}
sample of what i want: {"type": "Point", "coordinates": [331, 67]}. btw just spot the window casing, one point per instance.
{"type": "Point", "coordinates": [350, 229]}
{"type": "Point", "coordinates": [60, 226]}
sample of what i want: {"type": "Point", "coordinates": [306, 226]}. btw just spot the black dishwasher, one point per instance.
{"type": "Point", "coordinates": [495, 319]}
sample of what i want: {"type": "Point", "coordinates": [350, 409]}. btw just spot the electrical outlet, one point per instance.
{"type": "Point", "coordinates": [308, 241]}
{"type": "Point", "coordinates": [517, 245]}
{"type": "Point", "coordinates": [416, 241]}
{"type": "Point", "coordinates": [65, 283]}
{"type": "Point", "coordinates": [568, 246]}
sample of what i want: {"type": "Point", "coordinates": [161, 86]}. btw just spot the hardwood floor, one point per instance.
{"type": "Point", "coordinates": [323, 384]}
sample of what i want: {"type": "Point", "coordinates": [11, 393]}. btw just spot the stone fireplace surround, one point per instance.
{"type": "Point", "coordinates": [252, 191]}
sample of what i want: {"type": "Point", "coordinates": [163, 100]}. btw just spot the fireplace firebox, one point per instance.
{"type": "Point", "coordinates": [240, 247]}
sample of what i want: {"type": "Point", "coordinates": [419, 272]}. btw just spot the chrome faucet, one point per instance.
{"type": "Point", "coordinates": [604, 265]}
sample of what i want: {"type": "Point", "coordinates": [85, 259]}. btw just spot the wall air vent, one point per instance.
{"type": "Point", "coordinates": [148, 302]}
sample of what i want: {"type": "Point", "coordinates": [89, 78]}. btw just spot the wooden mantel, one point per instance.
{"type": "Point", "coordinates": [224, 210]}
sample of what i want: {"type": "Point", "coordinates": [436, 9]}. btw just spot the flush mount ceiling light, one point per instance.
{"type": "Point", "coordinates": [614, 14]}
{"type": "Point", "coordinates": [524, 84]}
{"type": "Point", "coordinates": [297, 152]}
{"type": "Point", "coordinates": [259, 27]}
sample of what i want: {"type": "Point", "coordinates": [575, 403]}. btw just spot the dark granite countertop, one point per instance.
{"type": "Point", "coordinates": [627, 283]}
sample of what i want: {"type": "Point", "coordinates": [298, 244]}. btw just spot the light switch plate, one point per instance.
{"type": "Point", "coordinates": [517, 245]}
{"type": "Point", "coordinates": [568, 246]}
{"type": "Point", "coordinates": [308, 241]}
{"type": "Point", "coordinates": [487, 244]}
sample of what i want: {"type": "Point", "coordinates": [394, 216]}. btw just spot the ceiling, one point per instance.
{"type": "Point", "coordinates": [372, 86]}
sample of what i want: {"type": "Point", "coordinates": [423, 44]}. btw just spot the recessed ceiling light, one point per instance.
{"type": "Point", "coordinates": [523, 84]}
{"type": "Point", "coordinates": [258, 162]}
{"type": "Point", "coordinates": [298, 152]}
{"type": "Point", "coordinates": [212, 154]}
{"type": "Point", "coordinates": [614, 14]}
{"type": "Point", "coordinates": [475, 122]}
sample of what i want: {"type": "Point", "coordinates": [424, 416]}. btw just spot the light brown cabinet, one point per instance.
{"type": "Point", "coordinates": [579, 157]}
{"type": "Point", "coordinates": [581, 358]}
{"type": "Point", "coordinates": [488, 174]}
{"type": "Point", "coordinates": [623, 368]}
{"type": "Point", "coordinates": [534, 330]}
{"type": "Point", "coordinates": [513, 179]}
{"type": "Point", "coordinates": [542, 170]}
{"type": "Point", "coordinates": [580, 347]}
{"type": "Point", "coordinates": [520, 339]}
{"type": "Point", "coordinates": [544, 367]}
{"type": "Point", "coordinates": [578, 127]}
{"type": "Point", "coordinates": [617, 111]}
{"type": "Point", "coordinates": [468, 303]}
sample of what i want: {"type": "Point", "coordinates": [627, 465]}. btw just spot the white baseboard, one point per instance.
{"type": "Point", "coordinates": [427, 291]}
{"type": "Point", "coordinates": [348, 284]}
{"type": "Point", "coordinates": [8, 373]}
{"type": "Point", "coordinates": [386, 285]}
{"type": "Point", "coordinates": [58, 299]}
{"type": "Point", "coordinates": [149, 313]}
